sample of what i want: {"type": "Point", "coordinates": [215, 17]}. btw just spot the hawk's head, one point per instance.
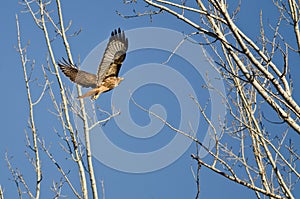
{"type": "Point", "coordinates": [118, 81]}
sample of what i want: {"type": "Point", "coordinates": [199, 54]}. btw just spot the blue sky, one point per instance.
{"type": "Point", "coordinates": [96, 20]}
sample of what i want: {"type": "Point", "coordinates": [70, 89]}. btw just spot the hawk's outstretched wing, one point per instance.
{"type": "Point", "coordinates": [113, 57]}
{"type": "Point", "coordinates": [78, 76]}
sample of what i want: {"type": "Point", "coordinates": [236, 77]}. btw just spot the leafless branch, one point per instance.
{"type": "Point", "coordinates": [59, 168]}
{"type": "Point", "coordinates": [234, 179]}
{"type": "Point", "coordinates": [35, 148]}
{"type": "Point", "coordinates": [255, 81]}
{"type": "Point", "coordinates": [1, 193]}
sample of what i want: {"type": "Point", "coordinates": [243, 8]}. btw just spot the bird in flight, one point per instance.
{"type": "Point", "coordinates": [107, 76]}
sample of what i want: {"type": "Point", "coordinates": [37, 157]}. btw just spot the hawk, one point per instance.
{"type": "Point", "coordinates": [107, 76]}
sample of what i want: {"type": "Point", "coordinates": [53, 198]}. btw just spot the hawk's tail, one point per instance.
{"type": "Point", "coordinates": [89, 93]}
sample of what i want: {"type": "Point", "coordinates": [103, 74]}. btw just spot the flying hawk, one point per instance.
{"type": "Point", "coordinates": [107, 76]}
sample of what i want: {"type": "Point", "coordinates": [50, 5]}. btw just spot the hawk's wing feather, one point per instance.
{"type": "Point", "coordinates": [113, 57]}
{"type": "Point", "coordinates": [80, 77]}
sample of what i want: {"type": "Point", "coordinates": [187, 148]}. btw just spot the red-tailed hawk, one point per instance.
{"type": "Point", "coordinates": [107, 76]}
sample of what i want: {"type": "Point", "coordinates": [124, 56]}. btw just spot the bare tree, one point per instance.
{"type": "Point", "coordinates": [62, 107]}
{"type": "Point", "coordinates": [252, 151]}
{"type": "Point", "coordinates": [258, 86]}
